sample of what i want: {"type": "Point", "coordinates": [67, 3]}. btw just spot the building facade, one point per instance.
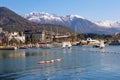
{"type": "Point", "coordinates": [33, 35]}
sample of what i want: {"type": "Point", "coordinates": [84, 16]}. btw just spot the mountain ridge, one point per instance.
{"type": "Point", "coordinates": [83, 25]}
{"type": "Point", "coordinates": [11, 21]}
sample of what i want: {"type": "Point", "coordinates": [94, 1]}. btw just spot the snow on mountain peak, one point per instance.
{"type": "Point", "coordinates": [43, 17]}
{"type": "Point", "coordinates": [74, 16]}
{"type": "Point", "coordinates": [108, 24]}
{"type": "Point", "coordinates": [77, 16]}
{"type": "Point", "coordinates": [37, 16]}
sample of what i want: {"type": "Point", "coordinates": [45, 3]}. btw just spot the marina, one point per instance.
{"type": "Point", "coordinates": [77, 63]}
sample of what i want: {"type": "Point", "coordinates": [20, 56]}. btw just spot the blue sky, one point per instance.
{"type": "Point", "coordinates": [94, 10]}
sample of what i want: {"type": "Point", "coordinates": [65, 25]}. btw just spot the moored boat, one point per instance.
{"type": "Point", "coordinates": [23, 47]}
{"type": "Point", "coordinates": [102, 45]}
{"type": "Point", "coordinates": [47, 46]}
{"type": "Point", "coordinates": [66, 45]}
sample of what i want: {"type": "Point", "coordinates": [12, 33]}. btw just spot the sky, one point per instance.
{"type": "Point", "coordinates": [95, 10]}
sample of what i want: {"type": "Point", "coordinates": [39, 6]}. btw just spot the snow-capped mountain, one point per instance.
{"type": "Point", "coordinates": [44, 18]}
{"type": "Point", "coordinates": [75, 22]}
{"type": "Point", "coordinates": [42, 15]}
{"type": "Point", "coordinates": [108, 24]}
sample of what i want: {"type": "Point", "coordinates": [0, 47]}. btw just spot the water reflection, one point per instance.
{"type": "Point", "coordinates": [18, 54]}
{"type": "Point", "coordinates": [77, 62]}
{"type": "Point", "coordinates": [11, 54]}
{"type": "Point", "coordinates": [21, 60]}
{"type": "Point", "coordinates": [67, 50]}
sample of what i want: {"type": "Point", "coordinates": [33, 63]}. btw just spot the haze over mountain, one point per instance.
{"type": "Point", "coordinates": [75, 22]}
{"type": "Point", "coordinates": [11, 21]}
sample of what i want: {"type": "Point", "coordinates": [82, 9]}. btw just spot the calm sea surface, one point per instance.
{"type": "Point", "coordinates": [79, 63]}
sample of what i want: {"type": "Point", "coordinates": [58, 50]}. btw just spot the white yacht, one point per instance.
{"type": "Point", "coordinates": [102, 45]}
{"type": "Point", "coordinates": [66, 45]}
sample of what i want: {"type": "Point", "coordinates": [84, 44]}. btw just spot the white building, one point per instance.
{"type": "Point", "coordinates": [15, 35]}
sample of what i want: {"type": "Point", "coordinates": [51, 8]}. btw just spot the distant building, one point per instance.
{"type": "Point", "coordinates": [116, 39]}
{"type": "Point", "coordinates": [5, 36]}
{"type": "Point", "coordinates": [37, 35]}
{"type": "Point", "coordinates": [17, 36]}
{"type": "Point", "coordinates": [116, 36]}
{"type": "Point", "coordinates": [61, 38]}
{"type": "Point", "coordinates": [2, 35]}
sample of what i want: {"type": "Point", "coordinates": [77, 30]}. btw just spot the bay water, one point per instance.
{"type": "Point", "coordinates": [78, 63]}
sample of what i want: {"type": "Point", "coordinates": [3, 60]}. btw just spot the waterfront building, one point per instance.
{"type": "Point", "coordinates": [16, 36]}
{"type": "Point", "coordinates": [35, 34]}
{"type": "Point", "coordinates": [116, 36]}
{"type": "Point", "coordinates": [1, 37]}
{"type": "Point", "coordinates": [61, 38]}
{"type": "Point", "coordinates": [6, 37]}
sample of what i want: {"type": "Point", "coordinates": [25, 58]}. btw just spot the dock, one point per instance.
{"type": "Point", "coordinates": [8, 48]}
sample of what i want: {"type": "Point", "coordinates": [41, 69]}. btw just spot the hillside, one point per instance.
{"type": "Point", "coordinates": [56, 28]}
{"type": "Point", "coordinates": [10, 21]}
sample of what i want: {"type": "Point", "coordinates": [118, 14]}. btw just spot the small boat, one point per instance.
{"type": "Point", "coordinates": [47, 46]}
{"type": "Point", "coordinates": [23, 47]}
{"type": "Point", "coordinates": [102, 45]}
{"type": "Point", "coordinates": [66, 45]}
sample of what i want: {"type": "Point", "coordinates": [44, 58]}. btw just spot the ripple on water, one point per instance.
{"type": "Point", "coordinates": [80, 63]}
